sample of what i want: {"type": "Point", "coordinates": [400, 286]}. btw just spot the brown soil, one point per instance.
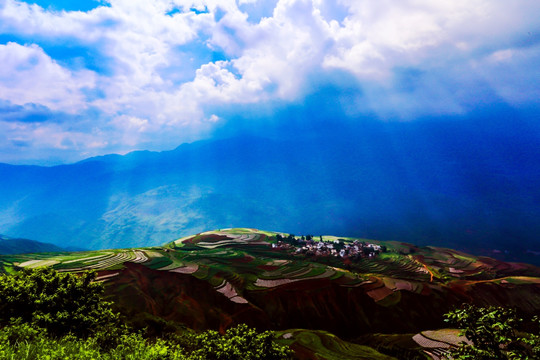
{"type": "Point", "coordinates": [311, 303]}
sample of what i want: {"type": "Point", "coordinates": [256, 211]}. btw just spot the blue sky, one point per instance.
{"type": "Point", "coordinates": [85, 78]}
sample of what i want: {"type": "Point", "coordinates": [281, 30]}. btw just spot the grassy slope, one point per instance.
{"type": "Point", "coordinates": [321, 345]}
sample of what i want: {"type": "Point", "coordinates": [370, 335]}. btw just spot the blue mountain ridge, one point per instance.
{"type": "Point", "coordinates": [448, 183]}
{"type": "Point", "coordinates": [10, 246]}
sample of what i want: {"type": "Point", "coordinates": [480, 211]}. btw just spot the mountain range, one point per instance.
{"type": "Point", "coordinates": [24, 246]}
{"type": "Point", "coordinates": [470, 185]}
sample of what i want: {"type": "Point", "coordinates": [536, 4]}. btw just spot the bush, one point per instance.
{"type": "Point", "coordinates": [494, 333]}
{"type": "Point", "coordinates": [41, 346]}
{"type": "Point", "coordinates": [61, 303]}
{"type": "Point", "coordinates": [49, 315]}
{"type": "Point", "coordinates": [238, 343]}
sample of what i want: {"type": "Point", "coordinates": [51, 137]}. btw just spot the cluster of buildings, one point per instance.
{"type": "Point", "coordinates": [306, 245]}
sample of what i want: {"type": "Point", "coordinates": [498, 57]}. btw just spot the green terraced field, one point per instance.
{"type": "Point", "coordinates": [246, 260]}
{"type": "Point", "coordinates": [244, 256]}
{"type": "Point", "coordinates": [312, 344]}
{"type": "Point", "coordinates": [244, 271]}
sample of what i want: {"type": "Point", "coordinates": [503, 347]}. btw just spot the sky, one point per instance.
{"type": "Point", "coordinates": [93, 77]}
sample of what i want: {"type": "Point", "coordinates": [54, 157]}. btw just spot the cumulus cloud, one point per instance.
{"type": "Point", "coordinates": [170, 64]}
{"type": "Point", "coordinates": [28, 75]}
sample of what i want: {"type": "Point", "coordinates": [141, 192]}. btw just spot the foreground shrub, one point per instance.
{"type": "Point", "coordinates": [239, 343]}
{"type": "Point", "coordinates": [495, 334]}
{"type": "Point", "coordinates": [61, 303]}
{"type": "Point", "coordinates": [21, 341]}
{"type": "Point", "coordinates": [49, 315]}
{"type": "Point", "coordinates": [41, 346]}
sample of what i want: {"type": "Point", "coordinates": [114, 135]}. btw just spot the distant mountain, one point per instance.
{"type": "Point", "coordinates": [23, 246]}
{"type": "Point", "coordinates": [461, 184]}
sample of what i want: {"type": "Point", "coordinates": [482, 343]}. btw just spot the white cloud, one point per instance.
{"type": "Point", "coordinates": [213, 118]}
{"type": "Point", "coordinates": [28, 75]}
{"type": "Point", "coordinates": [378, 36]}
{"type": "Point", "coordinates": [161, 75]}
{"type": "Point", "coordinates": [513, 73]}
{"type": "Point", "coordinates": [130, 129]}
{"type": "Point", "coordinates": [47, 136]}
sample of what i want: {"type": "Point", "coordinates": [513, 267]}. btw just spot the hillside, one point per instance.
{"type": "Point", "coordinates": [270, 280]}
{"type": "Point", "coordinates": [425, 183]}
{"type": "Point", "coordinates": [23, 246]}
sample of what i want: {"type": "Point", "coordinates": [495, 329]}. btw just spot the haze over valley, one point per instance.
{"type": "Point", "coordinates": [450, 182]}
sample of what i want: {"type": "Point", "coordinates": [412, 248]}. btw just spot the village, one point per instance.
{"type": "Point", "coordinates": [306, 245]}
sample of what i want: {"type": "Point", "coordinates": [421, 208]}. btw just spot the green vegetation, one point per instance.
{"type": "Point", "coordinates": [226, 277]}
{"type": "Point", "coordinates": [159, 262]}
{"type": "Point", "coordinates": [60, 303]}
{"type": "Point", "coordinates": [494, 334]}
{"type": "Point", "coordinates": [25, 342]}
{"type": "Point", "coordinates": [238, 343]}
{"type": "Point", "coordinates": [22, 341]}
{"type": "Point", "coordinates": [49, 315]}
{"type": "Point", "coordinates": [400, 346]}
{"type": "Point", "coordinates": [315, 344]}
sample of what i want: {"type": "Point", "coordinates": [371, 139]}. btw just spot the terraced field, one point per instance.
{"type": "Point", "coordinates": [310, 344]}
{"type": "Point", "coordinates": [243, 259]}
{"type": "Point", "coordinates": [437, 343]}
{"type": "Point", "coordinates": [217, 278]}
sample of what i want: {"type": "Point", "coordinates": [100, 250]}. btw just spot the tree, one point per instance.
{"type": "Point", "coordinates": [238, 343]}
{"type": "Point", "coordinates": [60, 303]}
{"type": "Point", "coordinates": [493, 333]}
{"type": "Point", "coordinates": [46, 314]}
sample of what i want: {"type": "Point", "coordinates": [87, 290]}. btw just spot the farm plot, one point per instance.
{"type": "Point", "coordinates": [316, 344]}
{"type": "Point", "coordinates": [79, 264]}
{"type": "Point", "coordinates": [159, 263]}
{"type": "Point", "coordinates": [307, 274]}
{"type": "Point", "coordinates": [295, 270]}
{"type": "Point", "coordinates": [436, 343]}
{"type": "Point", "coordinates": [174, 263]}
{"type": "Point", "coordinates": [274, 283]}
{"type": "Point", "coordinates": [245, 239]}
{"type": "Point", "coordinates": [227, 237]}
{"type": "Point", "coordinates": [448, 336]}
{"type": "Point", "coordinates": [437, 350]}
{"type": "Point", "coordinates": [400, 284]}
{"type": "Point", "coordinates": [382, 290]}
{"type": "Point", "coordinates": [106, 277]}
{"type": "Point", "coordinates": [102, 261]}
{"type": "Point", "coordinates": [114, 260]}
{"type": "Point", "coordinates": [229, 291]}
{"type": "Point", "coordinates": [401, 266]}
{"type": "Point", "coordinates": [135, 256]}
{"type": "Point", "coordinates": [88, 259]}
{"type": "Point", "coordinates": [450, 263]}
{"type": "Point", "coordinates": [188, 269]}
{"type": "Point", "coordinates": [31, 264]}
